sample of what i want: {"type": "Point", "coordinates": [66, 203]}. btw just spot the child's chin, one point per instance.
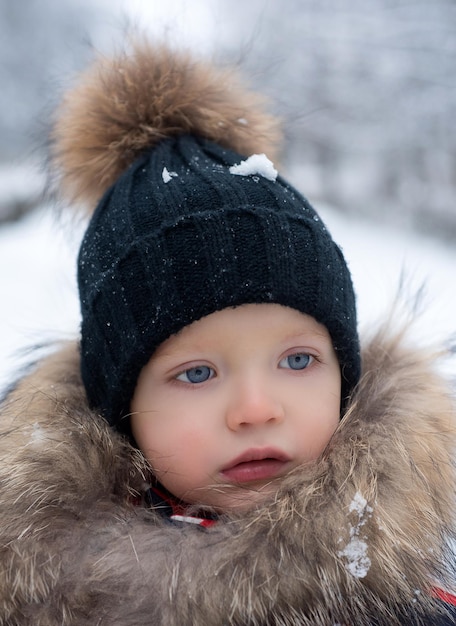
{"type": "Point", "coordinates": [242, 500]}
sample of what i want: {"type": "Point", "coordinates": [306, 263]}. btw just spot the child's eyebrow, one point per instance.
{"type": "Point", "coordinates": [171, 353]}
{"type": "Point", "coordinates": [306, 335]}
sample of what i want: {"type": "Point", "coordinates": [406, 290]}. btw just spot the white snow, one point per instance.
{"type": "Point", "coordinates": [255, 164]}
{"type": "Point", "coordinates": [39, 301]}
{"type": "Point", "coordinates": [359, 504]}
{"type": "Point", "coordinates": [12, 178]}
{"type": "Point", "coordinates": [37, 435]}
{"type": "Point", "coordinates": [355, 555]}
{"type": "Point", "coordinates": [167, 176]}
{"type": "Point", "coordinates": [387, 262]}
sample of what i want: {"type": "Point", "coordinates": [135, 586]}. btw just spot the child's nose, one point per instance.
{"type": "Point", "coordinates": [253, 404]}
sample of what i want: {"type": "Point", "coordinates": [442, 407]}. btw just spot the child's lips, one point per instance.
{"type": "Point", "coordinates": [255, 465]}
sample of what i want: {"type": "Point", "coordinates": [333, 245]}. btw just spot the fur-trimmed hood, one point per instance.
{"type": "Point", "coordinates": [356, 538]}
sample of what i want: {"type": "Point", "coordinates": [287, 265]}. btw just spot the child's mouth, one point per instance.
{"type": "Point", "coordinates": [256, 465]}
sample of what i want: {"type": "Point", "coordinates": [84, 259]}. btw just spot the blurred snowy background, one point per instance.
{"type": "Point", "coordinates": [367, 94]}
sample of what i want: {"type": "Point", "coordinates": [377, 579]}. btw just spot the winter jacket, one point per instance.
{"type": "Point", "coordinates": [359, 537]}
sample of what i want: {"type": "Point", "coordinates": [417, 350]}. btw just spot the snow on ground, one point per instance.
{"type": "Point", "coordinates": [38, 279]}
{"type": "Point", "coordinates": [386, 261]}
{"type": "Point", "coordinates": [37, 286]}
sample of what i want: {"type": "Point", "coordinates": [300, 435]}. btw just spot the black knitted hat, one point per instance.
{"type": "Point", "coordinates": [188, 230]}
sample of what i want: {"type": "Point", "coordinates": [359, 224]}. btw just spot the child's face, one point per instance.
{"type": "Point", "coordinates": [235, 401]}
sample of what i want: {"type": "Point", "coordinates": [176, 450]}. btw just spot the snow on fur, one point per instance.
{"type": "Point", "coordinates": [355, 552]}
{"type": "Point", "coordinates": [124, 105]}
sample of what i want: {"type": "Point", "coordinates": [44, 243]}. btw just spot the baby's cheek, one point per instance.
{"type": "Point", "coordinates": [325, 435]}
{"type": "Point", "coordinates": [183, 450]}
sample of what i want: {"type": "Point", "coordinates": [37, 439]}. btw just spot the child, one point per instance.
{"type": "Point", "coordinates": [215, 450]}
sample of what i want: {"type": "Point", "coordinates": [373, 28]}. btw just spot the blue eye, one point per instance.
{"type": "Point", "coordinates": [298, 361]}
{"type": "Point", "coordinates": [196, 375]}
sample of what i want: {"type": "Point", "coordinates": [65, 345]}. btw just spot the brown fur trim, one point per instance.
{"type": "Point", "coordinates": [357, 537]}
{"type": "Point", "coordinates": [360, 535]}
{"type": "Point", "coordinates": [124, 105]}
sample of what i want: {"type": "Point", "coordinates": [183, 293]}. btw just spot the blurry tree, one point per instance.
{"type": "Point", "coordinates": [368, 96]}
{"type": "Point", "coordinates": [41, 43]}
{"type": "Point", "coordinates": [367, 90]}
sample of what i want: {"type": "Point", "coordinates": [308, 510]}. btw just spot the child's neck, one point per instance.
{"type": "Point", "coordinates": [169, 507]}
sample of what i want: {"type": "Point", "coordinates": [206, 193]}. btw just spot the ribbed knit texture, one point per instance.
{"type": "Point", "coordinates": [159, 255]}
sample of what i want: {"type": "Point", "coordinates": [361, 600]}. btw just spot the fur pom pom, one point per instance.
{"type": "Point", "coordinates": [124, 105]}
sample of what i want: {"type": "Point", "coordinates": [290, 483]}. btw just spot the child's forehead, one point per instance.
{"type": "Point", "coordinates": [244, 320]}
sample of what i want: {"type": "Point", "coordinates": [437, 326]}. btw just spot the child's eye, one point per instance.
{"type": "Point", "coordinates": [196, 375]}
{"type": "Point", "coordinates": [298, 361]}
